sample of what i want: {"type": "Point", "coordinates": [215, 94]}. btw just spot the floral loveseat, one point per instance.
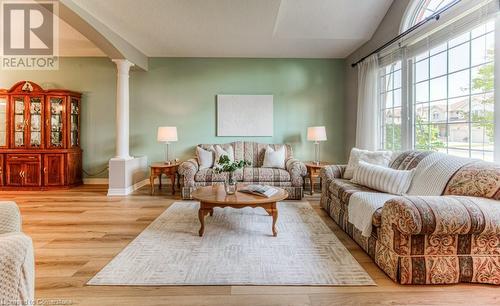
{"type": "Point", "coordinates": [415, 239]}
{"type": "Point", "coordinates": [291, 178]}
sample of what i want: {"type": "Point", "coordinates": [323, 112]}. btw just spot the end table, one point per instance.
{"type": "Point", "coordinates": [159, 168]}
{"type": "Point", "coordinates": [313, 170]}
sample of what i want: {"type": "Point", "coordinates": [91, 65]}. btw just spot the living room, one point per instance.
{"type": "Point", "coordinates": [238, 152]}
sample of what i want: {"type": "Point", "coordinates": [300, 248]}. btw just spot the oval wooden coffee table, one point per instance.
{"type": "Point", "coordinates": [215, 196]}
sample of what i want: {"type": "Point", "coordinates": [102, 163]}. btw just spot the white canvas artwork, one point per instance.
{"type": "Point", "coordinates": [244, 115]}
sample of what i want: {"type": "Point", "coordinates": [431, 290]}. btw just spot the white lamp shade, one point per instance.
{"type": "Point", "coordinates": [316, 133]}
{"type": "Point", "coordinates": [167, 134]}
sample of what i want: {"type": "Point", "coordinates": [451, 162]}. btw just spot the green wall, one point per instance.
{"type": "Point", "coordinates": [182, 92]}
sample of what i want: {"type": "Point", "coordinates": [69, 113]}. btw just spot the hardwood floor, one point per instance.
{"type": "Point", "coordinates": [77, 232]}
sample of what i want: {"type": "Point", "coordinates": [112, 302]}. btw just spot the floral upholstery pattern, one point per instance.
{"type": "Point", "coordinates": [291, 178]}
{"type": "Point", "coordinates": [264, 175]}
{"type": "Point", "coordinates": [480, 179]}
{"type": "Point", "coordinates": [429, 239]}
{"type": "Point", "coordinates": [209, 175]}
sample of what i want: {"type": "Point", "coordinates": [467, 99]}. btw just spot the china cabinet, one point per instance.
{"type": "Point", "coordinates": [39, 137]}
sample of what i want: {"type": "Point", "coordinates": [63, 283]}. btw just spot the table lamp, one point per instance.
{"type": "Point", "coordinates": [167, 134]}
{"type": "Point", "coordinates": [316, 134]}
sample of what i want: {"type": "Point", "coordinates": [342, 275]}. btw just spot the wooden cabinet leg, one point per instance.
{"type": "Point", "coordinates": [172, 180]}
{"type": "Point", "coordinates": [152, 183]}
{"type": "Point", "coordinates": [159, 181]}
{"type": "Point", "coordinates": [311, 182]}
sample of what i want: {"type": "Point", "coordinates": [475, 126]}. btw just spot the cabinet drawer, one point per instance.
{"type": "Point", "coordinates": [24, 157]}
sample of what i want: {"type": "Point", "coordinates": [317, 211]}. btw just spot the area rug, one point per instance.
{"type": "Point", "coordinates": [237, 249]}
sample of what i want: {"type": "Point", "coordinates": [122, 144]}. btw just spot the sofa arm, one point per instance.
{"type": "Point", "coordinates": [187, 170]}
{"type": "Point", "coordinates": [17, 269]}
{"type": "Point", "coordinates": [297, 171]}
{"type": "Point", "coordinates": [331, 172]}
{"type": "Point", "coordinates": [10, 218]}
{"type": "Point", "coordinates": [441, 215]}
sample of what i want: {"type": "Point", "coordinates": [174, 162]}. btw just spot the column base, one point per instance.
{"type": "Point", "coordinates": [127, 175]}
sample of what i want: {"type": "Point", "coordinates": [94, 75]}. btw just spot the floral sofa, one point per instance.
{"type": "Point", "coordinates": [291, 178]}
{"type": "Point", "coordinates": [415, 239]}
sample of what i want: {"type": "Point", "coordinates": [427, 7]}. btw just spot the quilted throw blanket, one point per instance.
{"type": "Point", "coordinates": [433, 173]}
{"type": "Point", "coordinates": [362, 206]}
{"type": "Point", "coordinates": [430, 179]}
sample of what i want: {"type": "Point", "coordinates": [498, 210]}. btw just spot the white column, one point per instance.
{"type": "Point", "coordinates": [122, 108]}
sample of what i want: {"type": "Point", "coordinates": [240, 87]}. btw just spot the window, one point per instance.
{"type": "Point", "coordinates": [390, 106]}
{"type": "Point", "coordinates": [423, 9]}
{"type": "Point", "coordinates": [453, 95]}
{"type": "Point", "coordinates": [446, 100]}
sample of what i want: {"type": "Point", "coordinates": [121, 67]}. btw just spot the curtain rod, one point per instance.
{"type": "Point", "coordinates": [434, 16]}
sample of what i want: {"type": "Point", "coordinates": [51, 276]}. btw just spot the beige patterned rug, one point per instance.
{"type": "Point", "coordinates": [237, 249]}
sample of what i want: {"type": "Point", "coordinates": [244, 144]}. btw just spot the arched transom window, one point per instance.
{"type": "Point", "coordinates": [421, 9]}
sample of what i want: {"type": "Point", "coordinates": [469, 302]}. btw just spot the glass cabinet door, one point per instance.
{"type": "Point", "coordinates": [75, 122]}
{"type": "Point", "coordinates": [35, 122]}
{"type": "Point", "coordinates": [19, 122]}
{"type": "Point", "coordinates": [3, 121]}
{"type": "Point", "coordinates": [56, 129]}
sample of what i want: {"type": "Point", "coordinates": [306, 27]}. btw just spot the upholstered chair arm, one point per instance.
{"type": "Point", "coordinates": [331, 172]}
{"type": "Point", "coordinates": [10, 218]}
{"type": "Point", "coordinates": [188, 170]}
{"type": "Point", "coordinates": [17, 269]}
{"type": "Point", "coordinates": [297, 171]}
{"type": "Point", "coordinates": [441, 215]}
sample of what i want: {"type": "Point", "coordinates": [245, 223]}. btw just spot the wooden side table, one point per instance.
{"type": "Point", "coordinates": [313, 171]}
{"type": "Point", "coordinates": [159, 168]}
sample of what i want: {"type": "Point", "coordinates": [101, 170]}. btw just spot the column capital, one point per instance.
{"type": "Point", "coordinates": [122, 65]}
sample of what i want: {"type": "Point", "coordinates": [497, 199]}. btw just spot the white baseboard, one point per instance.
{"type": "Point", "coordinates": [96, 181]}
{"type": "Point", "coordinates": [128, 190]}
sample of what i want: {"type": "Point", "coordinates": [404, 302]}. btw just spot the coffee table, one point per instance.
{"type": "Point", "coordinates": [215, 196]}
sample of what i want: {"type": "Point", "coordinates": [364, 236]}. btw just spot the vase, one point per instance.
{"type": "Point", "coordinates": [230, 184]}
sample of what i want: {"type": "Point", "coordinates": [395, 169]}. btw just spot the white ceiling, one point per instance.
{"type": "Point", "coordinates": [234, 28]}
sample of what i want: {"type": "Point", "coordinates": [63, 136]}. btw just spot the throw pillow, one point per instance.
{"type": "Point", "coordinates": [219, 151]}
{"type": "Point", "coordinates": [274, 158]}
{"type": "Point", "coordinates": [205, 157]}
{"type": "Point", "coordinates": [382, 158]}
{"type": "Point", "coordinates": [383, 178]}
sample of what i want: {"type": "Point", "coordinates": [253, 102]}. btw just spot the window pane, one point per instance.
{"type": "Point", "coordinates": [459, 153]}
{"type": "Point", "coordinates": [458, 109]}
{"type": "Point", "coordinates": [422, 92]}
{"type": "Point", "coordinates": [397, 97]}
{"type": "Point", "coordinates": [478, 31]}
{"type": "Point", "coordinates": [438, 65]}
{"type": "Point", "coordinates": [459, 57]}
{"type": "Point", "coordinates": [421, 56]}
{"type": "Point", "coordinates": [478, 48]}
{"type": "Point", "coordinates": [458, 135]}
{"type": "Point", "coordinates": [438, 111]}
{"type": "Point", "coordinates": [422, 70]}
{"type": "Point", "coordinates": [482, 78]}
{"type": "Point", "coordinates": [458, 84]}
{"type": "Point", "coordinates": [438, 49]}
{"type": "Point", "coordinates": [438, 88]}
{"type": "Point", "coordinates": [458, 40]}
{"type": "Point", "coordinates": [397, 79]}
{"type": "Point", "coordinates": [388, 99]}
{"type": "Point", "coordinates": [422, 113]}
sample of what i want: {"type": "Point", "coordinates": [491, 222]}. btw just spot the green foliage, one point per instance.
{"type": "Point", "coordinates": [427, 136]}
{"type": "Point", "coordinates": [226, 165]}
{"type": "Point", "coordinates": [393, 137]}
{"type": "Point", "coordinates": [485, 82]}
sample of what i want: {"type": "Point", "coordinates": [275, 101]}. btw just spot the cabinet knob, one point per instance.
{"type": "Point", "coordinates": [44, 169]}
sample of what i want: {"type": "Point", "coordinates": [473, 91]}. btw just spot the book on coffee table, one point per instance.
{"type": "Point", "coordinates": [260, 190]}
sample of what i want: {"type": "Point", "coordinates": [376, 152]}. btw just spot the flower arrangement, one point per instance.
{"type": "Point", "coordinates": [226, 165]}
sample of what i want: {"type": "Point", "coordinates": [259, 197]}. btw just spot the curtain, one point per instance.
{"type": "Point", "coordinates": [367, 125]}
